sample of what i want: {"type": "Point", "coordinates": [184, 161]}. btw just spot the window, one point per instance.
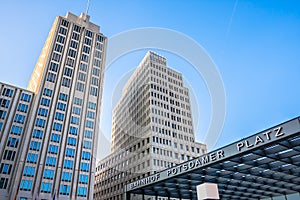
{"type": "Point", "coordinates": [71, 141]}
{"type": "Point", "coordinates": [76, 110]}
{"type": "Point", "coordinates": [47, 92]}
{"type": "Point", "coordinates": [46, 187]}
{"type": "Point", "coordinates": [96, 71]}
{"type": "Point", "coordinates": [93, 91]}
{"type": "Point", "coordinates": [53, 149]}
{"type": "Point", "coordinates": [77, 28]}
{"type": "Point", "coordinates": [43, 112]}
{"type": "Point", "coordinates": [97, 62]}
{"type": "Point", "coordinates": [80, 86]}
{"type": "Point", "coordinates": [70, 152]}
{"type": "Point", "coordinates": [2, 114]}
{"type": "Point", "coordinates": [48, 174]}
{"type": "Point", "coordinates": [74, 44]}
{"type": "Point", "coordinates": [55, 137]}
{"type": "Point", "coordinates": [40, 122]}
{"type": "Point", "coordinates": [100, 38]}
{"type": "Point", "coordinates": [68, 164]}
{"type": "Point", "coordinates": [66, 176]}
{"type": "Point", "coordinates": [88, 33]}
{"type": "Point", "coordinates": [59, 116]}
{"type": "Point", "coordinates": [50, 161]}
{"type": "Point", "coordinates": [56, 57]}
{"type": "Point", "coordinates": [86, 155]}
{"type": "Point", "coordinates": [53, 67]}
{"type": "Point", "coordinates": [82, 191]}
{"type": "Point", "coordinates": [1, 124]}
{"type": "Point", "coordinates": [68, 72]}
{"type": "Point", "coordinates": [63, 97]}
{"type": "Point", "coordinates": [66, 82]}
{"type": "Point", "coordinates": [45, 102]}
{"type": "Point", "coordinates": [3, 183]}
{"type": "Point", "coordinates": [60, 39]}
{"type": "Point", "coordinates": [83, 67]}
{"type": "Point", "coordinates": [84, 57]}
{"type": "Point", "coordinates": [26, 185]}
{"type": "Point", "coordinates": [32, 158]}
{"type": "Point", "coordinates": [58, 48]}
{"type": "Point", "coordinates": [64, 23]}
{"type": "Point", "coordinates": [77, 101]}
{"type": "Point", "coordinates": [29, 171]}
{"type": "Point", "coordinates": [9, 155]}
{"type": "Point", "coordinates": [4, 103]}
{"type": "Point", "coordinates": [75, 36]}
{"type": "Point", "coordinates": [16, 130]}
{"type": "Point", "coordinates": [62, 30]}
{"type": "Point", "coordinates": [83, 178]}
{"type": "Point", "coordinates": [88, 134]}
{"type": "Point", "coordinates": [61, 106]}
{"type": "Point", "coordinates": [87, 41]}
{"type": "Point", "coordinates": [84, 167]}
{"type": "Point", "coordinates": [5, 168]}
{"type": "Point", "coordinates": [72, 53]}
{"type": "Point", "coordinates": [34, 145]}
{"type": "Point", "coordinates": [86, 49]}
{"type": "Point", "coordinates": [7, 92]}
{"type": "Point", "coordinates": [64, 189]}
{"type": "Point", "coordinates": [87, 144]}
{"type": "Point", "coordinates": [22, 107]}
{"type": "Point", "coordinates": [92, 105]}
{"type": "Point", "coordinates": [95, 81]}
{"type": "Point", "coordinates": [91, 114]}
{"type": "Point", "coordinates": [57, 126]}
{"type": "Point", "coordinates": [25, 97]}
{"type": "Point", "coordinates": [70, 62]}
{"type": "Point", "coordinates": [89, 124]}
{"type": "Point", "coordinates": [74, 120]}
{"type": "Point", "coordinates": [81, 76]}
{"type": "Point", "coordinates": [19, 118]}
{"type": "Point", "coordinates": [12, 142]}
{"type": "Point", "coordinates": [73, 130]}
{"type": "Point", "coordinates": [37, 134]}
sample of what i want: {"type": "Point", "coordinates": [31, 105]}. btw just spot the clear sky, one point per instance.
{"type": "Point", "coordinates": [255, 45]}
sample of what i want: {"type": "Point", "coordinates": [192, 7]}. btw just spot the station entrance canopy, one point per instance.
{"type": "Point", "coordinates": [263, 165]}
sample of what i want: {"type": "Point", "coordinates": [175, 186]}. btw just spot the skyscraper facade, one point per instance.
{"type": "Point", "coordinates": [56, 153]}
{"type": "Point", "coordinates": [152, 128]}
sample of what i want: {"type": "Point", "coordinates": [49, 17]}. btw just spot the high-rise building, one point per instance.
{"type": "Point", "coordinates": [49, 132]}
{"type": "Point", "coordinates": [152, 128]}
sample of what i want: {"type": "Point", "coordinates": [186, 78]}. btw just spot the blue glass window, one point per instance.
{"type": "Point", "coordinates": [86, 155]}
{"type": "Point", "coordinates": [7, 92]}
{"type": "Point", "coordinates": [74, 120]}
{"type": "Point", "coordinates": [83, 178]}
{"type": "Point", "coordinates": [4, 103]}
{"type": "Point", "coordinates": [89, 124]}
{"type": "Point", "coordinates": [48, 174]}
{"type": "Point", "coordinates": [88, 134]}
{"type": "Point", "coordinates": [5, 168]}
{"type": "Point", "coordinates": [70, 152]}
{"type": "Point", "coordinates": [92, 105]}
{"type": "Point", "coordinates": [77, 101]}
{"type": "Point", "coordinates": [16, 130]}
{"type": "Point", "coordinates": [1, 125]}
{"type": "Point", "coordinates": [43, 112]}
{"type": "Point", "coordinates": [91, 114]}
{"type": "Point", "coordinates": [66, 176]}
{"type": "Point", "coordinates": [22, 107]}
{"type": "Point", "coordinates": [59, 116]}
{"type": "Point", "coordinates": [34, 145]}
{"type": "Point", "coordinates": [61, 106]}
{"type": "Point", "coordinates": [87, 144]}
{"type": "Point", "coordinates": [71, 141]}
{"type": "Point", "coordinates": [12, 142]}
{"type": "Point", "coordinates": [84, 167]}
{"type": "Point", "coordinates": [64, 189]}
{"type": "Point", "coordinates": [47, 92]}
{"type": "Point", "coordinates": [55, 137]}
{"type": "Point", "coordinates": [57, 126]}
{"type": "Point", "coordinates": [19, 118]}
{"type": "Point", "coordinates": [37, 134]}
{"type": "Point", "coordinates": [45, 102]}
{"type": "Point", "coordinates": [76, 110]}
{"type": "Point", "coordinates": [32, 157]}
{"type": "Point", "coordinates": [82, 191]}
{"type": "Point", "coordinates": [73, 130]}
{"type": "Point", "coordinates": [40, 122]}
{"type": "Point", "coordinates": [46, 187]}
{"type": "Point", "coordinates": [63, 97]}
{"type": "Point", "coordinates": [26, 185]}
{"type": "Point", "coordinates": [53, 149]}
{"type": "Point", "coordinates": [68, 164]}
{"type": "Point", "coordinates": [50, 161]}
{"type": "Point", "coordinates": [29, 171]}
{"type": "Point", "coordinates": [2, 114]}
{"type": "Point", "coordinates": [25, 97]}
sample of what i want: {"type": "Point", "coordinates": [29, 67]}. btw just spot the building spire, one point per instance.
{"type": "Point", "coordinates": [87, 7]}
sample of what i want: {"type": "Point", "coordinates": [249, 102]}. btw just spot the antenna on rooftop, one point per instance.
{"type": "Point", "coordinates": [87, 7]}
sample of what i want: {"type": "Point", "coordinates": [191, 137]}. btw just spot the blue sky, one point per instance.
{"type": "Point", "coordinates": [255, 45]}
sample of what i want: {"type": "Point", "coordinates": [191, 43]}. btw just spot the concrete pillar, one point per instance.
{"type": "Point", "coordinates": [207, 191]}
